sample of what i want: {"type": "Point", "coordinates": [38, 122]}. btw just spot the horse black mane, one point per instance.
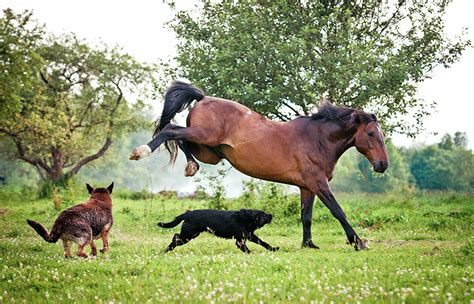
{"type": "Point", "coordinates": [342, 116]}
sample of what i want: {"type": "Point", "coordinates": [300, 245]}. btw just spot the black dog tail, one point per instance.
{"type": "Point", "coordinates": [52, 237]}
{"type": "Point", "coordinates": [174, 222]}
{"type": "Point", "coordinates": [178, 97]}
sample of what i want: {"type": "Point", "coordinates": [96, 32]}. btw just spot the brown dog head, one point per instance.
{"type": "Point", "coordinates": [107, 190]}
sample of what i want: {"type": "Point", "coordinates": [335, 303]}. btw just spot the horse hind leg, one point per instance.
{"type": "Point", "coordinates": [192, 166]}
{"type": "Point", "coordinates": [196, 135]}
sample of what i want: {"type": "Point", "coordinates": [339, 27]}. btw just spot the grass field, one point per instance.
{"type": "Point", "coordinates": [421, 251]}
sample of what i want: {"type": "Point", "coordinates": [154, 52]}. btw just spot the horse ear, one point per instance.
{"type": "Point", "coordinates": [109, 188]}
{"type": "Point", "coordinates": [355, 117]}
{"type": "Point", "coordinates": [89, 188]}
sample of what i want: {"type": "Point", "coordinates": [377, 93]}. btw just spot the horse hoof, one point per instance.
{"type": "Point", "coordinates": [361, 244]}
{"type": "Point", "coordinates": [309, 244]}
{"type": "Point", "coordinates": [191, 168]}
{"type": "Point", "coordinates": [140, 152]}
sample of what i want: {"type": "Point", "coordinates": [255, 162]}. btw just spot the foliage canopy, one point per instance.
{"type": "Point", "coordinates": [280, 57]}
{"type": "Point", "coordinates": [63, 101]}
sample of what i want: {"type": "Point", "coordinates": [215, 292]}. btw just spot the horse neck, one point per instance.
{"type": "Point", "coordinates": [345, 140]}
{"type": "Point", "coordinates": [337, 140]}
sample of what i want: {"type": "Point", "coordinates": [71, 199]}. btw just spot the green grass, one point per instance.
{"type": "Point", "coordinates": [421, 251]}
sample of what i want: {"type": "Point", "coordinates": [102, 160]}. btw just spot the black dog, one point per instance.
{"type": "Point", "coordinates": [239, 225]}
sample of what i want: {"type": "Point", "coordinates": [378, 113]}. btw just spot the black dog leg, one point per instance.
{"type": "Point", "coordinates": [177, 241]}
{"type": "Point", "coordinates": [257, 240]}
{"type": "Point", "coordinates": [242, 246]}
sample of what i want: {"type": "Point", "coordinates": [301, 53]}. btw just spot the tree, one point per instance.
{"type": "Point", "coordinates": [279, 57]}
{"type": "Point", "coordinates": [460, 139]}
{"type": "Point", "coordinates": [446, 142]}
{"type": "Point", "coordinates": [353, 173]}
{"type": "Point", "coordinates": [64, 100]}
{"type": "Point", "coordinates": [395, 179]}
{"type": "Point", "coordinates": [443, 167]}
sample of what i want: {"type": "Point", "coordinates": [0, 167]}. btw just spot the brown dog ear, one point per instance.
{"type": "Point", "coordinates": [109, 188]}
{"type": "Point", "coordinates": [89, 188]}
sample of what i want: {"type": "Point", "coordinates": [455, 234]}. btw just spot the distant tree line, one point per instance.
{"type": "Point", "coordinates": [447, 165]}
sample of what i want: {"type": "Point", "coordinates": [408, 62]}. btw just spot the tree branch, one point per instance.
{"type": "Point", "coordinates": [34, 161]}
{"type": "Point", "coordinates": [40, 173]}
{"type": "Point", "coordinates": [9, 133]}
{"type": "Point", "coordinates": [291, 108]}
{"type": "Point", "coordinates": [387, 22]}
{"type": "Point", "coordinates": [82, 162]}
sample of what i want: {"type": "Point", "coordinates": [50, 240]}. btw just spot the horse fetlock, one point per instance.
{"type": "Point", "coordinates": [140, 152]}
{"type": "Point", "coordinates": [361, 244]}
{"type": "Point", "coordinates": [191, 168]}
{"type": "Point", "coordinates": [309, 244]}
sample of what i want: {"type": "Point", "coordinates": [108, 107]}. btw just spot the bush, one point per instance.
{"type": "Point", "coordinates": [135, 195]}
{"type": "Point", "coordinates": [211, 188]}
{"type": "Point", "coordinates": [272, 198]}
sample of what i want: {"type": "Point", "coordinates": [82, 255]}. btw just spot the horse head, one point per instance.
{"type": "Point", "coordinates": [369, 140]}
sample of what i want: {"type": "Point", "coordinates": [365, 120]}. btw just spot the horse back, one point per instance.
{"type": "Point", "coordinates": [248, 140]}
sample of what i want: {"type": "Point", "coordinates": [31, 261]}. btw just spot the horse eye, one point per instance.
{"type": "Point", "coordinates": [370, 134]}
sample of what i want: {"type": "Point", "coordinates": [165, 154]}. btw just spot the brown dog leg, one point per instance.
{"type": "Point", "coordinates": [93, 248]}
{"type": "Point", "coordinates": [105, 239]}
{"type": "Point", "coordinates": [67, 248]}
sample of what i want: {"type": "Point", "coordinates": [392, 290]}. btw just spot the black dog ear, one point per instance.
{"type": "Point", "coordinates": [110, 188]}
{"type": "Point", "coordinates": [89, 188]}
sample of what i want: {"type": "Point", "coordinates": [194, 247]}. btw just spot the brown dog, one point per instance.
{"type": "Point", "coordinates": [82, 223]}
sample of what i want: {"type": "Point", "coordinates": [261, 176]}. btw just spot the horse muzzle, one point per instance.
{"type": "Point", "coordinates": [380, 166]}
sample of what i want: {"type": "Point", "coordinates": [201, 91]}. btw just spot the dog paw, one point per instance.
{"type": "Point", "coordinates": [274, 248]}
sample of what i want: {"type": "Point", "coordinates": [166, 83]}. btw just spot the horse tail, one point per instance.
{"type": "Point", "coordinates": [52, 237]}
{"type": "Point", "coordinates": [174, 222]}
{"type": "Point", "coordinates": [179, 96]}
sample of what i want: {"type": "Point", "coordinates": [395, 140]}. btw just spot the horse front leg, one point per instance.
{"type": "Point", "coordinates": [325, 194]}
{"type": "Point", "coordinates": [307, 200]}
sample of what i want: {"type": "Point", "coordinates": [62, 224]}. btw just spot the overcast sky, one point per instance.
{"type": "Point", "coordinates": [138, 26]}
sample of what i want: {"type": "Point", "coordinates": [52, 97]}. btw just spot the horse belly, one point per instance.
{"type": "Point", "coordinates": [261, 162]}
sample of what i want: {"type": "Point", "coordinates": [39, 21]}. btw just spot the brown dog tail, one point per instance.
{"type": "Point", "coordinates": [174, 222]}
{"type": "Point", "coordinates": [48, 237]}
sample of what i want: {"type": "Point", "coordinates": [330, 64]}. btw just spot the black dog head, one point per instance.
{"type": "Point", "coordinates": [255, 218]}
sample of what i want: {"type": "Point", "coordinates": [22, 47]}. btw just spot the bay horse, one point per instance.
{"type": "Point", "coordinates": [301, 152]}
